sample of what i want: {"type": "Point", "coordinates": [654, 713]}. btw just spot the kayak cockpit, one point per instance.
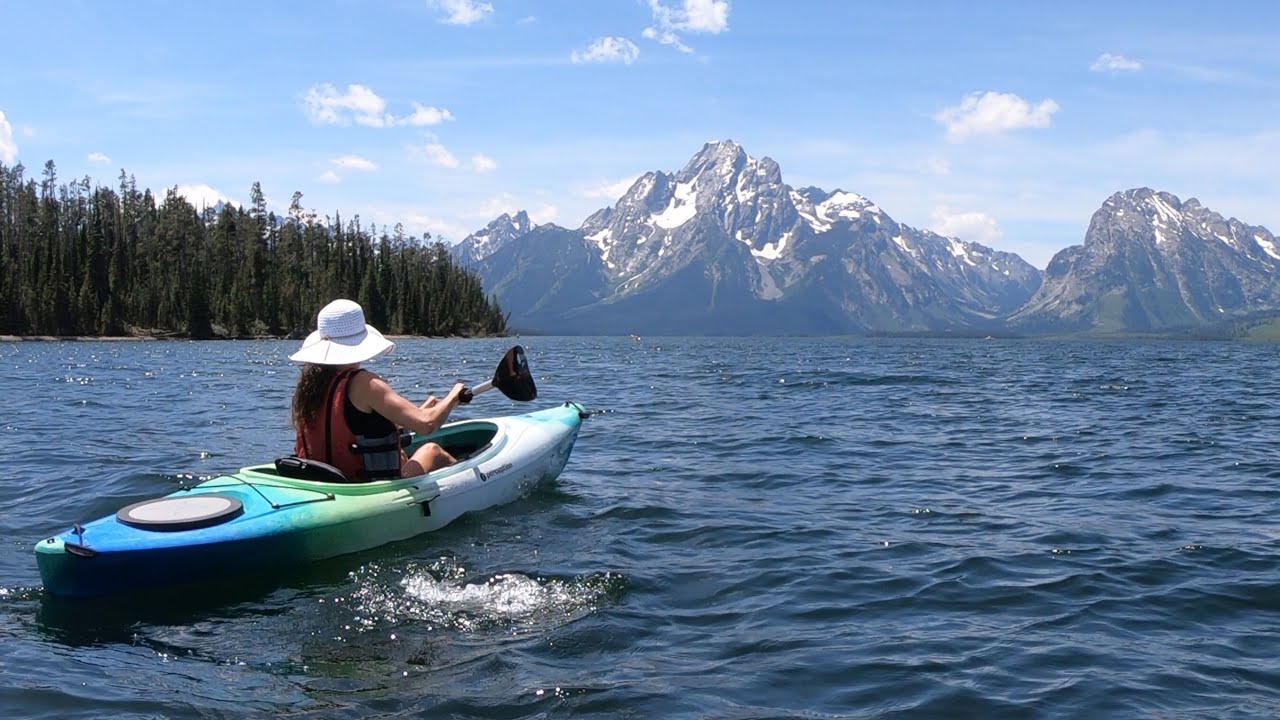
{"type": "Point", "coordinates": [463, 440]}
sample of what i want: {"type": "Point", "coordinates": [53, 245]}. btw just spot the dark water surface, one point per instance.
{"type": "Point", "coordinates": [750, 529]}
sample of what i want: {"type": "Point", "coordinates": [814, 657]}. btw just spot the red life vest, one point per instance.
{"type": "Point", "coordinates": [331, 440]}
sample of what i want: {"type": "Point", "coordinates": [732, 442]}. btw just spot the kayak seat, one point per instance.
{"type": "Point", "coordinates": [304, 469]}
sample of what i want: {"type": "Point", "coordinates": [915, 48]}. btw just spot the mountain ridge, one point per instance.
{"type": "Point", "coordinates": [724, 245]}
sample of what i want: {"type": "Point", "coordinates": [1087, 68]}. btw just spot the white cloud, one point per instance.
{"type": "Point", "coordinates": [462, 12]}
{"type": "Point", "coordinates": [544, 213]}
{"type": "Point", "coordinates": [201, 195]}
{"type": "Point", "coordinates": [482, 163]}
{"type": "Point", "coordinates": [935, 165]}
{"type": "Point", "coordinates": [435, 154]}
{"type": "Point", "coordinates": [709, 16]}
{"type": "Point", "coordinates": [1215, 76]}
{"type": "Point", "coordinates": [98, 158]}
{"type": "Point", "coordinates": [702, 16]}
{"type": "Point", "coordinates": [666, 37]}
{"type": "Point", "coordinates": [354, 162]}
{"type": "Point", "coordinates": [608, 50]}
{"type": "Point", "coordinates": [1107, 62]}
{"type": "Point", "coordinates": [416, 222]}
{"type": "Point", "coordinates": [972, 226]}
{"type": "Point", "coordinates": [486, 211]}
{"type": "Point", "coordinates": [993, 113]}
{"type": "Point", "coordinates": [694, 16]}
{"type": "Point", "coordinates": [424, 115]}
{"type": "Point", "coordinates": [8, 148]}
{"type": "Point", "coordinates": [329, 177]}
{"type": "Point", "coordinates": [609, 190]}
{"type": "Point", "coordinates": [495, 206]}
{"type": "Point", "coordinates": [325, 105]}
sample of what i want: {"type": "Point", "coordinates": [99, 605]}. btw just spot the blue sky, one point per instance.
{"type": "Point", "coordinates": [1007, 123]}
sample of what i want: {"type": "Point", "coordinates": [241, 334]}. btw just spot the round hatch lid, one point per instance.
{"type": "Point", "coordinates": [185, 512]}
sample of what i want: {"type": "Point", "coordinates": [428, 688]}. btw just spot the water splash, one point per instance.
{"type": "Point", "coordinates": [446, 595]}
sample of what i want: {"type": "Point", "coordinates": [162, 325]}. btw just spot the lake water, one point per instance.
{"type": "Point", "coordinates": [748, 528]}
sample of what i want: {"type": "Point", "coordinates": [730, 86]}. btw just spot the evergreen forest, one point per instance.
{"type": "Point", "coordinates": [78, 259]}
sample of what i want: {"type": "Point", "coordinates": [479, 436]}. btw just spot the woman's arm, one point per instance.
{"type": "Point", "coordinates": [370, 392]}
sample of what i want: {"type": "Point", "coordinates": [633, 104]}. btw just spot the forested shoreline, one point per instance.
{"type": "Point", "coordinates": [84, 260]}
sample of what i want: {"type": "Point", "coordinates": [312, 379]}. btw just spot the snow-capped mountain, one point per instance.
{"type": "Point", "coordinates": [1151, 262]}
{"type": "Point", "coordinates": [725, 246]}
{"type": "Point", "coordinates": [483, 243]}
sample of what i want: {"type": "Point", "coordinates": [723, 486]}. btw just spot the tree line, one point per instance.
{"type": "Point", "coordinates": [76, 259]}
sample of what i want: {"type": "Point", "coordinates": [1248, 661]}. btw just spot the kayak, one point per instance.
{"type": "Point", "coordinates": [261, 518]}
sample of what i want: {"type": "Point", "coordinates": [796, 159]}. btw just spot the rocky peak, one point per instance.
{"type": "Point", "coordinates": [721, 157]}
{"type": "Point", "coordinates": [1143, 202]}
{"type": "Point", "coordinates": [1150, 261]}
{"type": "Point", "coordinates": [483, 243]}
{"type": "Point", "coordinates": [1161, 221]}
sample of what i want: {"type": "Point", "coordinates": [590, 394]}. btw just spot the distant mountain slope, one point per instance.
{"type": "Point", "coordinates": [1151, 262]}
{"type": "Point", "coordinates": [545, 274]}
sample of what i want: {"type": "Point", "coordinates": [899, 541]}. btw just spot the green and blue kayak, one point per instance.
{"type": "Point", "coordinates": [258, 518]}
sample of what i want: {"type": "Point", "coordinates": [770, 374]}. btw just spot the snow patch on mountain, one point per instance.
{"type": "Point", "coordinates": [1165, 211]}
{"type": "Point", "coordinates": [845, 205]}
{"type": "Point", "coordinates": [773, 250]}
{"type": "Point", "coordinates": [769, 289]}
{"type": "Point", "coordinates": [604, 241]}
{"type": "Point", "coordinates": [1267, 246]}
{"type": "Point", "coordinates": [682, 208]}
{"type": "Point", "coordinates": [960, 251]}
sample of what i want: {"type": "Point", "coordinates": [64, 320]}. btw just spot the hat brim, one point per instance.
{"type": "Point", "coordinates": [319, 350]}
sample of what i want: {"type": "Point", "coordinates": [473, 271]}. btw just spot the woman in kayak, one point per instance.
{"type": "Point", "coordinates": [349, 417]}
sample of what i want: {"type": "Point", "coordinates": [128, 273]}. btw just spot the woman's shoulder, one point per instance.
{"type": "Point", "coordinates": [363, 375]}
{"type": "Point", "coordinates": [365, 378]}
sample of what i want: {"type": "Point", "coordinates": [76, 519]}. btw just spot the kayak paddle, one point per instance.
{"type": "Point", "coordinates": [512, 378]}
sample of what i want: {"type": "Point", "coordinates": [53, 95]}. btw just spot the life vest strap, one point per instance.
{"type": "Point", "coordinates": [379, 454]}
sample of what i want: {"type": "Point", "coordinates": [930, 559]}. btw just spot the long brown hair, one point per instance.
{"type": "Point", "coordinates": [309, 396]}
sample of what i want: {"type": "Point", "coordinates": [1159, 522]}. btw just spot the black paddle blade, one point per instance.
{"type": "Point", "coordinates": [513, 378]}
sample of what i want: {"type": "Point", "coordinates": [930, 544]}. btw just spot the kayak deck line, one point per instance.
{"type": "Point", "coordinates": [256, 487]}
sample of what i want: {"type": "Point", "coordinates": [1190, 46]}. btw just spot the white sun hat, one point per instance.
{"type": "Point", "coordinates": [342, 337]}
